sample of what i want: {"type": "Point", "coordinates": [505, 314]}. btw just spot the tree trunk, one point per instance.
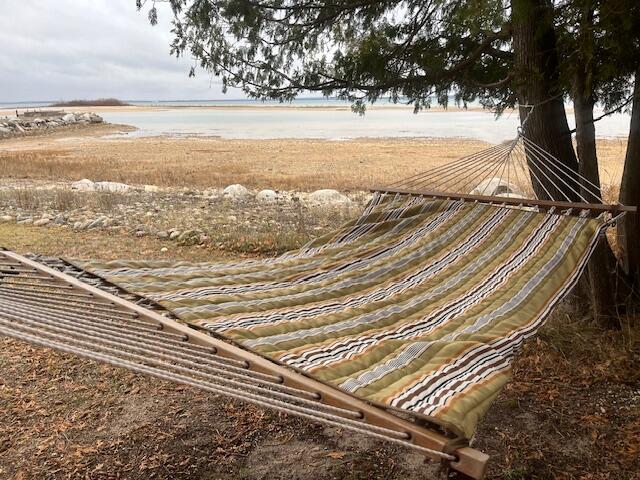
{"type": "Point", "coordinates": [537, 83]}
{"type": "Point", "coordinates": [602, 265]}
{"type": "Point", "coordinates": [629, 227]}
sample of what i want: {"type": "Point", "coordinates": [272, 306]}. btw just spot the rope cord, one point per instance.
{"type": "Point", "coordinates": [507, 161]}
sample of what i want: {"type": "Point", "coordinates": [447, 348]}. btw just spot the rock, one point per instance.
{"type": "Point", "coordinates": [267, 196]}
{"type": "Point", "coordinates": [151, 188]}
{"type": "Point", "coordinates": [140, 233]}
{"type": "Point", "coordinates": [4, 130]}
{"type": "Point", "coordinates": [84, 117]}
{"type": "Point", "coordinates": [69, 118]}
{"type": "Point", "coordinates": [6, 218]}
{"type": "Point", "coordinates": [189, 237]}
{"type": "Point", "coordinates": [162, 235]}
{"type": "Point", "coordinates": [112, 187]}
{"type": "Point", "coordinates": [235, 192]}
{"type": "Point", "coordinates": [232, 218]}
{"type": "Point", "coordinates": [95, 223]}
{"type": "Point", "coordinates": [328, 197]}
{"type": "Point", "coordinates": [84, 185]}
{"type": "Point", "coordinates": [174, 234]}
{"type": "Point", "coordinates": [26, 221]}
{"type": "Point", "coordinates": [42, 222]}
{"type": "Point", "coordinates": [493, 186]}
{"type": "Point", "coordinates": [95, 118]}
{"type": "Point", "coordinates": [18, 127]}
{"type": "Point", "coordinates": [164, 249]}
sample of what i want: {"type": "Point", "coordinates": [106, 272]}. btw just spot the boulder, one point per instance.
{"type": "Point", "coordinates": [17, 126]}
{"type": "Point", "coordinates": [112, 187]}
{"type": "Point", "coordinates": [235, 192]}
{"type": "Point", "coordinates": [83, 117]}
{"type": "Point", "coordinates": [4, 130]}
{"type": "Point", "coordinates": [84, 185]}
{"type": "Point", "coordinates": [493, 186]}
{"type": "Point", "coordinates": [267, 196]}
{"type": "Point", "coordinates": [6, 218]}
{"type": "Point", "coordinates": [42, 222]}
{"type": "Point", "coordinates": [69, 118]}
{"type": "Point", "coordinates": [328, 197]}
{"type": "Point", "coordinates": [93, 118]}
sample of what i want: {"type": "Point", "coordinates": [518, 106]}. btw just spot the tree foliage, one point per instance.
{"type": "Point", "coordinates": [358, 50]}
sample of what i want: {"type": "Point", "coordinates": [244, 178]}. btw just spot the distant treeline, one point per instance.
{"type": "Point", "coordinates": [100, 102]}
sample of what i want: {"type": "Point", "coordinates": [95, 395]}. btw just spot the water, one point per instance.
{"type": "Point", "coordinates": [322, 118]}
{"type": "Point", "coordinates": [334, 124]}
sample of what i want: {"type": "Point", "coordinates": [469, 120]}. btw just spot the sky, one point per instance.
{"type": "Point", "coordinates": [85, 49]}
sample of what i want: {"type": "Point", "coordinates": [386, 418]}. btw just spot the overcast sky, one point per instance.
{"type": "Point", "coordinates": [70, 49]}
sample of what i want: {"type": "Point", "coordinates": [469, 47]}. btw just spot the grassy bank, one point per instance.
{"type": "Point", "coordinates": [278, 164]}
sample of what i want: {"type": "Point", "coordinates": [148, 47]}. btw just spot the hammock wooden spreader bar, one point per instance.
{"type": "Point", "coordinates": [595, 208]}
{"type": "Point", "coordinates": [49, 308]}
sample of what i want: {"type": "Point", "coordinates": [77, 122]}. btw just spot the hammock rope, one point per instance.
{"type": "Point", "coordinates": [515, 166]}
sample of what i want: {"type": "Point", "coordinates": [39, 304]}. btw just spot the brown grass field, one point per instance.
{"type": "Point", "coordinates": [572, 411]}
{"type": "Point", "coordinates": [277, 164]}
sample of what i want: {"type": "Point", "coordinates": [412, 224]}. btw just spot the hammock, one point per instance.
{"type": "Point", "coordinates": [416, 308]}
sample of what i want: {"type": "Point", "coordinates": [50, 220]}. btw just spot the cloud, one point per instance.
{"type": "Point", "coordinates": [68, 49]}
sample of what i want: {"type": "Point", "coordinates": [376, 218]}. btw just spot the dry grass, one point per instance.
{"type": "Point", "coordinates": [202, 163]}
{"type": "Point", "coordinates": [64, 242]}
{"type": "Point", "coordinates": [278, 164]}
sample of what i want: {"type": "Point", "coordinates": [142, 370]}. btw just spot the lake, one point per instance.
{"type": "Point", "coordinates": [333, 123]}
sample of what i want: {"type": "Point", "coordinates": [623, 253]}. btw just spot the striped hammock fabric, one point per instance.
{"type": "Point", "coordinates": [418, 305]}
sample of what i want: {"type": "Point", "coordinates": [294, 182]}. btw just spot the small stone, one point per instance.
{"type": "Point", "coordinates": [162, 235]}
{"type": "Point", "coordinates": [235, 192]}
{"type": "Point", "coordinates": [84, 185]}
{"type": "Point", "coordinates": [328, 196]}
{"type": "Point", "coordinates": [164, 249]}
{"type": "Point", "coordinates": [189, 237]}
{"type": "Point", "coordinates": [174, 234]}
{"type": "Point", "coordinates": [151, 188]}
{"type": "Point", "coordinates": [113, 187]}
{"type": "Point", "coordinates": [267, 196]}
{"type": "Point", "coordinates": [140, 233]}
{"type": "Point", "coordinates": [95, 223]}
{"type": "Point", "coordinates": [6, 218]}
{"type": "Point", "coordinates": [42, 222]}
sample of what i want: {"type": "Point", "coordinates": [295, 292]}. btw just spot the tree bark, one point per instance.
{"type": "Point", "coordinates": [629, 227]}
{"type": "Point", "coordinates": [602, 265]}
{"type": "Point", "coordinates": [537, 83]}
